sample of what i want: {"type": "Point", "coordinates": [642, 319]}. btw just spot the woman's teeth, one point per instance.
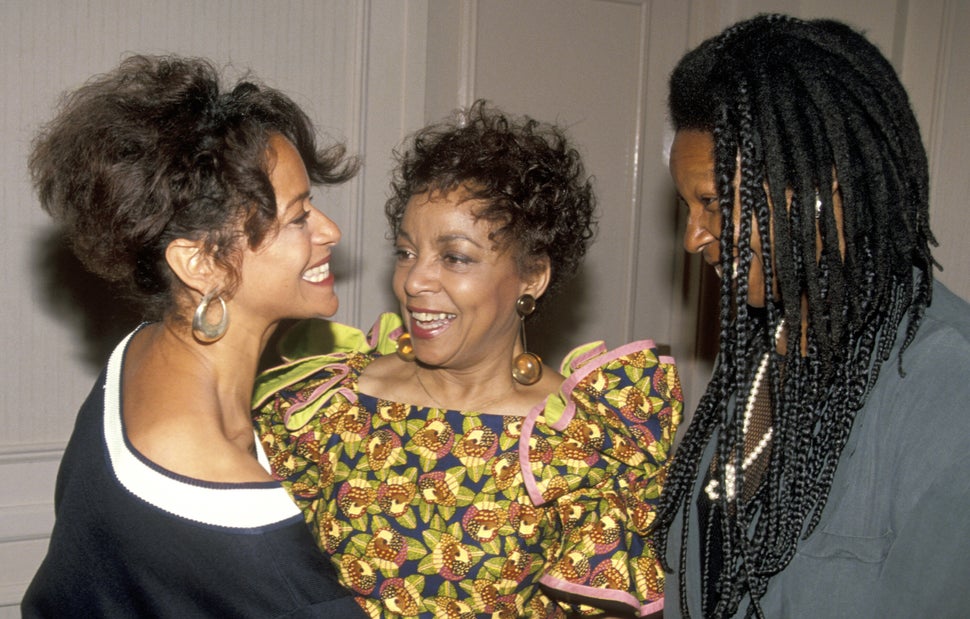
{"type": "Point", "coordinates": [429, 320]}
{"type": "Point", "coordinates": [317, 274]}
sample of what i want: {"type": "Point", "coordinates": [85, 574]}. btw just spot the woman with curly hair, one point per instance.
{"type": "Point", "coordinates": [448, 470]}
{"type": "Point", "coordinates": [197, 201]}
{"type": "Point", "coordinates": [824, 473]}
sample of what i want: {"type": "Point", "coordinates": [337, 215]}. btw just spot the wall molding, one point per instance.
{"type": "Point", "coordinates": [27, 477]}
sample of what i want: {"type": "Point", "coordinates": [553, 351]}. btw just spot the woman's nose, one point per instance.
{"type": "Point", "coordinates": [325, 230]}
{"type": "Point", "coordinates": [698, 233]}
{"type": "Point", "coordinates": [421, 276]}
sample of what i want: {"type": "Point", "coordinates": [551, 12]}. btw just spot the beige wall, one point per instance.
{"type": "Point", "coordinates": [369, 72]}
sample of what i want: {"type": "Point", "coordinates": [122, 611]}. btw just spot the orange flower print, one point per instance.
{"type": "Point", "coordinates": [641, 359]}
{"type": "Point", "coordinates": [539, 449]}
{"type": "Point", "coordinates": [482, 522]}
{"type": "Point", "coordinates": [434, 440]}
{"type": "Point", "coordinates": [573, 567]}
{"type": "Point", "coordinates": [555, 488]}
{"type": "Point", "coordinates": [586, 433]}
{"type": "Point", "coordinates": [573, 453]}
{"type": "Point", "coordinates": [453, 609]}
{"type": "Point", "coordinates": [438, 488]}
{"type": "Point", "coordinates": [329, 531]}
{"type": "Point", "coordinates": [354, 498]}
{"type": "Point", "coordinates": [283, 464]}
{"type": "Point", "coordinates": [353, 424]}
{"type": "Point", "coordinates": [629, 452]}
{"type": "Point", "coordinates": [604, 534]}
{"type": "Point", "coordinates": [388, 549]}
{"type": "Point", "coordinates": [526, 519]}
{"type": "Point", "coordinates": [395, 495]}
{"type": "Point", "coordinates": [308, 446]}
{"type": "Point", "coordinates": [452, 559]}
{"type": "Point", "coordinates": [383, 447]}
{"type": "Point", "coordinates": [649, 576]}
{"type": "Point", "coordinates": [392, 411]}
{"type": "Point", "coordinates": [512, 426]}
{"type": "Point", "coordinates": [666, 382]}
{"type": "Point", "coordinates": [358, 574]}
{"type": "Point", "coordinates": [476, 446]}
{"type": "Point", "coordinates": [498, 606]}
{"type": "Point", "coordinates": [607, 576]}
{"type": "Point", "coordinates": [399, 597]}
{"type": "Point", "coordinates": [505, 470]}
{"type": "Point", "coordinates": [517, 565]}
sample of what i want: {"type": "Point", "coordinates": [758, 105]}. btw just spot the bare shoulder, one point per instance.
{"type": "Point", "coordinates": [389, 377]}
{"type": "Point", "coordinates": [172, 420]}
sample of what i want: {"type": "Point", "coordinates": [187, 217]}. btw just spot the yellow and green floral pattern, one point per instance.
{"type": "Point", "coordinates": [443, 513]}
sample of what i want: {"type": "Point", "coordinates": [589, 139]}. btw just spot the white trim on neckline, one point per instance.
{"type": "Point", "coordinates": [220, 504]}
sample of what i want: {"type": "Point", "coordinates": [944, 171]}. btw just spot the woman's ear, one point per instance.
{"type": "Point", "coordinates": [192, 265]}
{"type": "Point", "coordinates": [537, 279]}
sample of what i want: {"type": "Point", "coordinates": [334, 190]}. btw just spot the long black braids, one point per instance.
{"type": "Point", "coordinates": [810, 115]}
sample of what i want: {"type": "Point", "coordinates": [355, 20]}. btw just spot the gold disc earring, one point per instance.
{"type": "Point", "coordinates": [526, 366]}
{"type": "Point", "coordinates": [405, 350]}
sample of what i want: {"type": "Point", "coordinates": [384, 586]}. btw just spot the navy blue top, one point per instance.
{"type": "Point", "coordinates": [134, 539]}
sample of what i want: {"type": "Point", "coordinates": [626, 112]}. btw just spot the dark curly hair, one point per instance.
{"type": "Point", "coordinates": [798, 106]}
{"type": "Point", "coordinates": [531, 179]}
{"type": "Point", "coordinates": [155, 150]}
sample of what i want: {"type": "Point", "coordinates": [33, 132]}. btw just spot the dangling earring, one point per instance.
{"type": "Point", "coordinates": [526, 366]}
{"type": "Point", "coordinates": [207, 332]}
{"type": "Point", "coordinates": [405, 350]}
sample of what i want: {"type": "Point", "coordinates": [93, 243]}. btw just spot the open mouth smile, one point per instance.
{"type": "Point", "coordinates": [427, 324]}
{"type": "Point", "coordinates": [317, 274]}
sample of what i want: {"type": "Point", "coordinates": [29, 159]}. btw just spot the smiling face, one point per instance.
{"type": "Point", "coordinates": [288, 275]}
{"type": "Point", "coordinates": [457, 289]}
{"type": "Point", "coordinates": [692, 168]}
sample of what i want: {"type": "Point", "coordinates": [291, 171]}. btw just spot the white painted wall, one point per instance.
{"type": "Point", "coordinates": [369, 71]}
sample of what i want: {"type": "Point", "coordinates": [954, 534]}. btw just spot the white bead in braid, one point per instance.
{"type": "Point", "coordinates": [730, 477]}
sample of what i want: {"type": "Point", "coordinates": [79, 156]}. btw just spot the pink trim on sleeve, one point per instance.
{"type": "Point", "coordinates": [598, 593]}
{"type": "Point", "coordinates": [339, 371]}
{"type": "Point", "coordinates": [525, 467]}
{"type": "Point", "coordinates": [528, 424]}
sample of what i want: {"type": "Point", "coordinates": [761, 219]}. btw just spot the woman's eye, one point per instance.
{"type": "Point", "coordinates": [302, 219]}
{"type": "Point", "coordinates": [709, 203]}
{"type": "Point", "coordinates": [456, 259]}
{"type": "Point", "coordinates": [401, 253]}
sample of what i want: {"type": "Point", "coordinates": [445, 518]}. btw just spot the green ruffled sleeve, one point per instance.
{"type": "Point", "coordinates": [310, 345]}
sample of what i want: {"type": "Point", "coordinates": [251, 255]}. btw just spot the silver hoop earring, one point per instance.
{"type": "Point", "coordinates": [204, 331]}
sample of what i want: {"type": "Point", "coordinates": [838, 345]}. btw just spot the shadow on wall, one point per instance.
{"type": "Point", "coordinates": [95, 309]}
{"type": "Point", "coordinates": [552, 332]}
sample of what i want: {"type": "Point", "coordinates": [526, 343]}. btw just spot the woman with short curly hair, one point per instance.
{"type": "Point", "coordinates": [197, 200]}
{"type": "Point", "coordinates": [447, 470]}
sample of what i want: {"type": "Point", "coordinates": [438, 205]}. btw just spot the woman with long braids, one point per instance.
{"type": "Point", "coordinates": [824, 473]}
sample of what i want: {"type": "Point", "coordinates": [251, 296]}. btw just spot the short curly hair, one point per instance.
{"type": "Point", "coordinates": [155, 150]}
{"type": "Point", "coordinates": [530, 177]}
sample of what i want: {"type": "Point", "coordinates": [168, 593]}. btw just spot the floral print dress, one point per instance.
{"type": "Point", "coordinates": [443, 513]}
